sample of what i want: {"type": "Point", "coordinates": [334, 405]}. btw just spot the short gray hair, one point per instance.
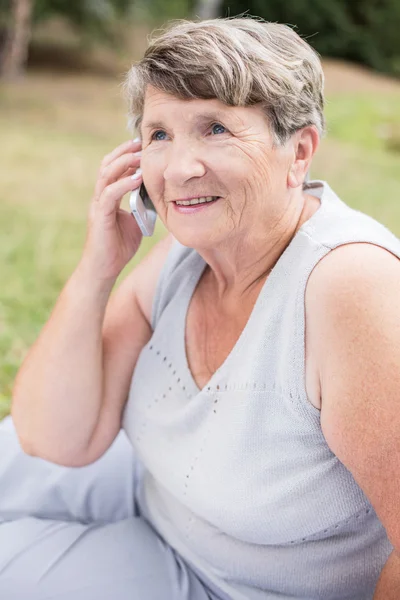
{"type": "Point", "coordinates": [239, 61]}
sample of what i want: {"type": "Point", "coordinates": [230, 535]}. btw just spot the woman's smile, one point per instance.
{"type": "Point", "coordinates": [194, 205]}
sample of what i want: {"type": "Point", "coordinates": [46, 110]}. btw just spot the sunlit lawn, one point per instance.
{"type": "Point", "coordinates": [54, 132]}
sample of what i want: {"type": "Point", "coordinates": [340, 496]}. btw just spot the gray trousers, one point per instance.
{"type": "Point", "coordinates": [73, 533]}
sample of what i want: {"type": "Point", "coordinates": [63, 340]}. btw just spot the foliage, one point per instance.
{"type": "Point", "coordinates": [93, 18]}
{"type": "Point", "coordinates": [82, 12]}
{"type": "Point", "coordinates": [364, 31]}
{"type": "Point", "coordinates": [159, 10]}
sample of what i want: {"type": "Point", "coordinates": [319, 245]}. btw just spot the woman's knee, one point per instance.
{"type": "Point", "coordinates": [102, 491]}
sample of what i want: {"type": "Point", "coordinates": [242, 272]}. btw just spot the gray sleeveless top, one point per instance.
{"type": "Point", "coordinates": [237, 477]}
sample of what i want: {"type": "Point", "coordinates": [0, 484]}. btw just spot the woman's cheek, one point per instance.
{"type": "Point", "coordinates": [153, 178]}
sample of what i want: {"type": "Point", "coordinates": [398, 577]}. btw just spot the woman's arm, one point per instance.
{"type": "Point", "coordinates": [353, 307]}
{"type": "Point", "coordinates": [58, 389]}
{"type": "Point", "coordinates": [70, 392]}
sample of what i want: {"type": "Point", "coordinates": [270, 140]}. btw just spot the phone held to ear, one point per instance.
{"type": "Point", "coordinates": [143, 210]}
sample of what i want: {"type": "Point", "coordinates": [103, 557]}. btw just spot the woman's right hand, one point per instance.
{"type": "Point", "coordinates": [113, 236]}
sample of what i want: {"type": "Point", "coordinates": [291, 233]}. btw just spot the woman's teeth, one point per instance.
{"type": "Point", "coordinates": [196, 201]}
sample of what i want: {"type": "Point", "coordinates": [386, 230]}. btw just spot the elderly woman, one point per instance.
{"type": "Point", "coordinates": [252, 358]}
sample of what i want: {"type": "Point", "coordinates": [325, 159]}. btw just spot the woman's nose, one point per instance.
{"type": "Point", "coordinates": [183, 163]}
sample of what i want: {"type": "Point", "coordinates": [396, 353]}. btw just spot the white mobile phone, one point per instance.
{"type": "Point", "coordinates": [143, 210]}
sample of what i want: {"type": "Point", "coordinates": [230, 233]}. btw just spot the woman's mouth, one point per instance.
{"type": "Point", "coordinates": [195, 204]}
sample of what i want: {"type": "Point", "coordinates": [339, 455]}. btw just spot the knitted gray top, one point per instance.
{"type": "Point", "coordinates": [238, 477]}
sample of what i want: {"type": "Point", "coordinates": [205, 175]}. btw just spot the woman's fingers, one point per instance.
{"type": "Point", "coordinates": [129, 146]}
{"type": "Point", "coordinates": [110, 200]}
{"type": "Point", "coordinates": [122, 165]}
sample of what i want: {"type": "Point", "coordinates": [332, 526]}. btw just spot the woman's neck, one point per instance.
{"type": "Point", "coordinates": [236, 273]}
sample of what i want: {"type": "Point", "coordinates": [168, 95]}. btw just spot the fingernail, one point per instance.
{"type": "Point", "coordinates": [137, 139]}
{"type": "Point", "coordinates": [137, 174]}
{"type": "Point", "coordinates": [138, 153]}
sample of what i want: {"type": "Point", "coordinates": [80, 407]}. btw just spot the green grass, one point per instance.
{"type": "Point", "coordinates": [55, 131]}
{"type": "Point", "coordinates": [355, 157]}
{"type": "Point", "coordinates": [365, 120]}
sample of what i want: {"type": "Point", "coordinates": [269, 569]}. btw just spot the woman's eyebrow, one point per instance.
{"type": "Point", "coordinates": [198, 119]}
{"type": "Point", "coordinates": [152, 125]}
{"type": "Point", "coordinates": [211, 116]}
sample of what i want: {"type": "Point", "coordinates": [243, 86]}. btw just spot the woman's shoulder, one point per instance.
{"type": "Point", "coordinates": [359, 247]}
{"type": "Point", "coordinates": [353, 265]}
{"type": "Point", "coordinates": [337, 223]}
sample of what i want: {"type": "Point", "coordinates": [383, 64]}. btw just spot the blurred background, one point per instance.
{"type": "Point", "coordinates": [61, 110]}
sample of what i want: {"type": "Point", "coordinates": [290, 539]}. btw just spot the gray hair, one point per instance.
{"type": "Point", "coordinates": [239, 61]}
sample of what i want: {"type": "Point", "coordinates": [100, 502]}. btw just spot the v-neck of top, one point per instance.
{"type": "Point", "coordinates": [190, 287]}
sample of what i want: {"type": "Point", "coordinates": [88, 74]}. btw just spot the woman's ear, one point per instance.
{"type": "Point", "coordinates": [306, 142]}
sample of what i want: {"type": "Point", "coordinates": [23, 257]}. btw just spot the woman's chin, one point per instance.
{"type": "Point", "coordinates": [193, 237]}
{"type": "Point", "coordinates": [194, 231]}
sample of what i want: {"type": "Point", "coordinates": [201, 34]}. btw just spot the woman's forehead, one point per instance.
{"type": "Point", "coordinates": [161, 107]}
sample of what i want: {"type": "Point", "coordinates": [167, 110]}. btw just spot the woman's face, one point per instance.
{"type": "Point", "coordinates": [203, 148]}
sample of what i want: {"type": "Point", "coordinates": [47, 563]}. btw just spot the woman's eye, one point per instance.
{"type": "Point", "coordinates": [158, 135]}
{"type": "Point", "coordinates": [218, 128]}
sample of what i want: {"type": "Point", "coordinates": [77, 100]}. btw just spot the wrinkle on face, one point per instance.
{"type": "Point", "coordinates": [244, 167]}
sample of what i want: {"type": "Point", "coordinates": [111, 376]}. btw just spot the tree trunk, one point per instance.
{"type": "Point", "coordinates": [15, 50]}
{"type": "Point", "coordinates": [208, 9]}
